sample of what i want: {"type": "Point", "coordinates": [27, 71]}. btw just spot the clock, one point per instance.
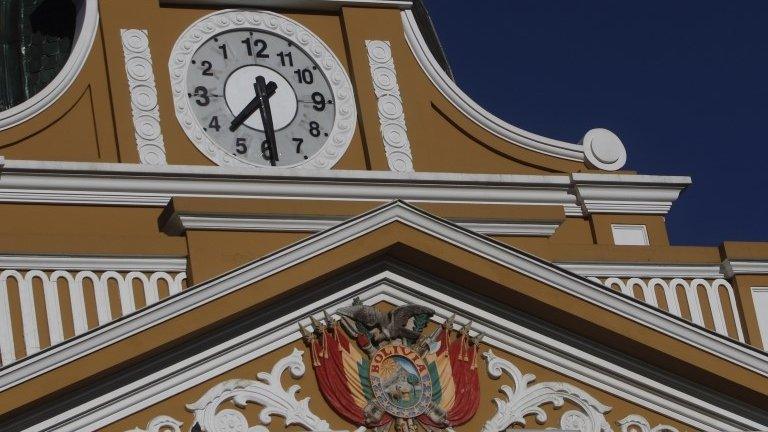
{"type": "Point", "coordinates": [255, 88]}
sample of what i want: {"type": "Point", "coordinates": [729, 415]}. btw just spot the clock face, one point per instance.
{"type": "Point", "coordinates": [221, 82]}
{"type": "Point", "coordinates": [255, 88]}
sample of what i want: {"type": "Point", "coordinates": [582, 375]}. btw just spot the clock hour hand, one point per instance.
{"type": "Point", "coordinates": [251, 108]}
{"type": "Point", "coordinates": [266, 118]}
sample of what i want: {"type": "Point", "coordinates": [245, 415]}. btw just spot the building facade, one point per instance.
{"type": "Point", "coordinates": [256, 215]}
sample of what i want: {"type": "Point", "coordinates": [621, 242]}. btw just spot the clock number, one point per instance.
{"type": "Point", "coordinates": [240, 146]}
{"type": "Point", "coordinates": [283, 56]}
{"type": "Point", "coordinates": [266, 150]}
{"type": "Point", "coordinates": [299, 142]}
{"type": "Point", "coordinates": [318, 101]}
{"type": "Point", "coordinates": [260, 45]}
{"type": "Point", "coordinates": [314, 129]}
{"type": "Point", "coordinates": [202, 93]}
{"type": "Point", "coordinates": [214, 124]}
{"type": "Point", "coordinates": [304, 76]}
{"type": "Point", "coordinates": [207, 68]}
{"type": "Point", "coordinates": [223, 49]}
{"type": "Point", "coordinates": [260, 52]}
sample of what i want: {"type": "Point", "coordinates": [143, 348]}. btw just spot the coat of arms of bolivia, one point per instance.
{"type": "Point", "coordinates": [376, 369]}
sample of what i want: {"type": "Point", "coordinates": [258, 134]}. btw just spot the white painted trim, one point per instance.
{"type": "Point", "coordinates": [627, 193]}
{"type": "Point", "coordinates": [394, 132]}
{"type": "Point", "coordinates": [140, 74]}
{"type": "Point", "coordinates": [732, 268]}
{"type": "Point", "coordinates": [676, 400]}
{"type": "Point", "coordinates": [641, 270]}
{"type": "Point", "coordinates": [318, 5]}
{"type": "Point", "coordinates": [180, 223]}
{"type": "Point", "coordinates": [761, 311]}
{"type": "Point", "coordinates": [85, 34]}
{"type": "Point", "coordinates": [485, 119]}
{"type": "Point", "coordinates": [153, 186]}
{"type": "Point", "coordinates": [625, 306]}
{"type": "Point", "coordinates": [92, 263]}
{"type": "Point", "coordinates": [626, 235]}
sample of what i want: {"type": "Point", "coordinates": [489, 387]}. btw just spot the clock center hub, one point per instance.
{"type": "Point", "coordinates": [239, 90]}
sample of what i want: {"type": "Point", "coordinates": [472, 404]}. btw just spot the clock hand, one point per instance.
{"type": "Point", "coordinates": [251, 108]}
{"type": "Point", "coordinates": [266, 118]}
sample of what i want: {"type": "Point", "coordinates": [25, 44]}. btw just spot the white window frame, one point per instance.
{"type": "Point", "coordinates": [760, 300]}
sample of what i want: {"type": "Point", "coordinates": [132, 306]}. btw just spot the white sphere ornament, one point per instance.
{"type": "Point", "coordinates": [604, 150]}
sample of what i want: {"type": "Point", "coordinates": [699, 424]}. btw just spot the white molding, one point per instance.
{"type": "Point", "coordinates": [732, 268]}
{"type": "Point", "coordinates": [626, 193]}
{"type": "Point", "coordinates": [345, 121]}
{"type": "Point", "coordinates": [180, 223]}
{"type": "Point", "coordinates": [493, 124]}
{"type": "Point", "coordinates": [394, 132]}
{"type": "Point", "coordinates": [675, 400]}
{"type": "Point", "coordinates": [317, 5]}
{"type": "Point", "coordinates": [642, 270]}
{"type": "Point", "coordinates": [648, 316]}
{"type": "Point", "coordinates": [92, 263]}
{"type": "Point", "coordinates": [153, 186]}
{"type": "Point", "coordinates": [2, 164]}
{"type": "Point", "coordinates": [760, 302]}
{"type": "Point", "coordinates": [85, 34]}
{"type": "Point", "coordinates": [630, 235]}
{"type": "Point", "coordinates": [144, 106]}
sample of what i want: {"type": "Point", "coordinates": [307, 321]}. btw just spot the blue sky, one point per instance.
{"type": "Point", "coordinates": [683, 83]}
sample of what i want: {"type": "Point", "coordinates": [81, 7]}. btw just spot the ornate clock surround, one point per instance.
{"type": "Point", "coordinates": [206, 27]}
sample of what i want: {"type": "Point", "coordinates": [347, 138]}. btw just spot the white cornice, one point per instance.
{"type": "Point", "coordinates": [625, 193]}
{"type": "Point", "coordinates": [153, 186]}
{"type": "Point", "coordinates": [179, 223]}
{"type": "Point", "coordinates": [320, 5]}
{"type": "Point", "coordinates": [549, 274]}
{"type": "Point", "coordinates": [92, 263]}
{"type": "Point", "coordinates": [732, 268]}
{"type": "Point", "coordinates": [503, 330]}
{"type": "Point", "coordinates": [605, 150]}
{"type": "Point", "coordinates": [642, 270]}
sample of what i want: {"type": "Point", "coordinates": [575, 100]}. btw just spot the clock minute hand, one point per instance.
{"type": "Point", "coordinates": [266, 118]}
{"type": "Point", "coordinates": [251, 108]}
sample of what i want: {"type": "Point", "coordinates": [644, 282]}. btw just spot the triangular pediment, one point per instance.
{"type": "Point", "coordinates": [396, 254]}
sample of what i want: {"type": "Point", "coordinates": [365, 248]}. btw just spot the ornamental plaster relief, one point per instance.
{"type": "Point", "coordinates": [394, 132]}
{"type": "Point", "coordinates": [141, 82]}
{"type": "Point", "coordinates": [522, 403]}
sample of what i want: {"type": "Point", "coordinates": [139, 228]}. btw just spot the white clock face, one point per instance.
{"type": "Point", "coordinates": [256, 88]}
{"type": "Point", "coordinates": [221, 82]}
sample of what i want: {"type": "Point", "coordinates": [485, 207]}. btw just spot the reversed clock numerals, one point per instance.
{"type": "Point", "coordinates": [221, 86]}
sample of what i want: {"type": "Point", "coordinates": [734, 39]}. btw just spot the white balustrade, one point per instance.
{"type": "Point", "coordinates": [74, 282]}
{"type": "Point", "coordinates": [692, 289]}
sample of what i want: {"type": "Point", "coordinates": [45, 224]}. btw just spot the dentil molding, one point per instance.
{"type": "Point", "coordinates": [394, 132]}
{"type": "Point", "coordinates": [141, 82]}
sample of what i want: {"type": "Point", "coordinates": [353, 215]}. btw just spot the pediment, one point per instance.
{"type": "Point", "coordinates": [396, 254]}
{"type": "Point", "coordinates": [570, 380]}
